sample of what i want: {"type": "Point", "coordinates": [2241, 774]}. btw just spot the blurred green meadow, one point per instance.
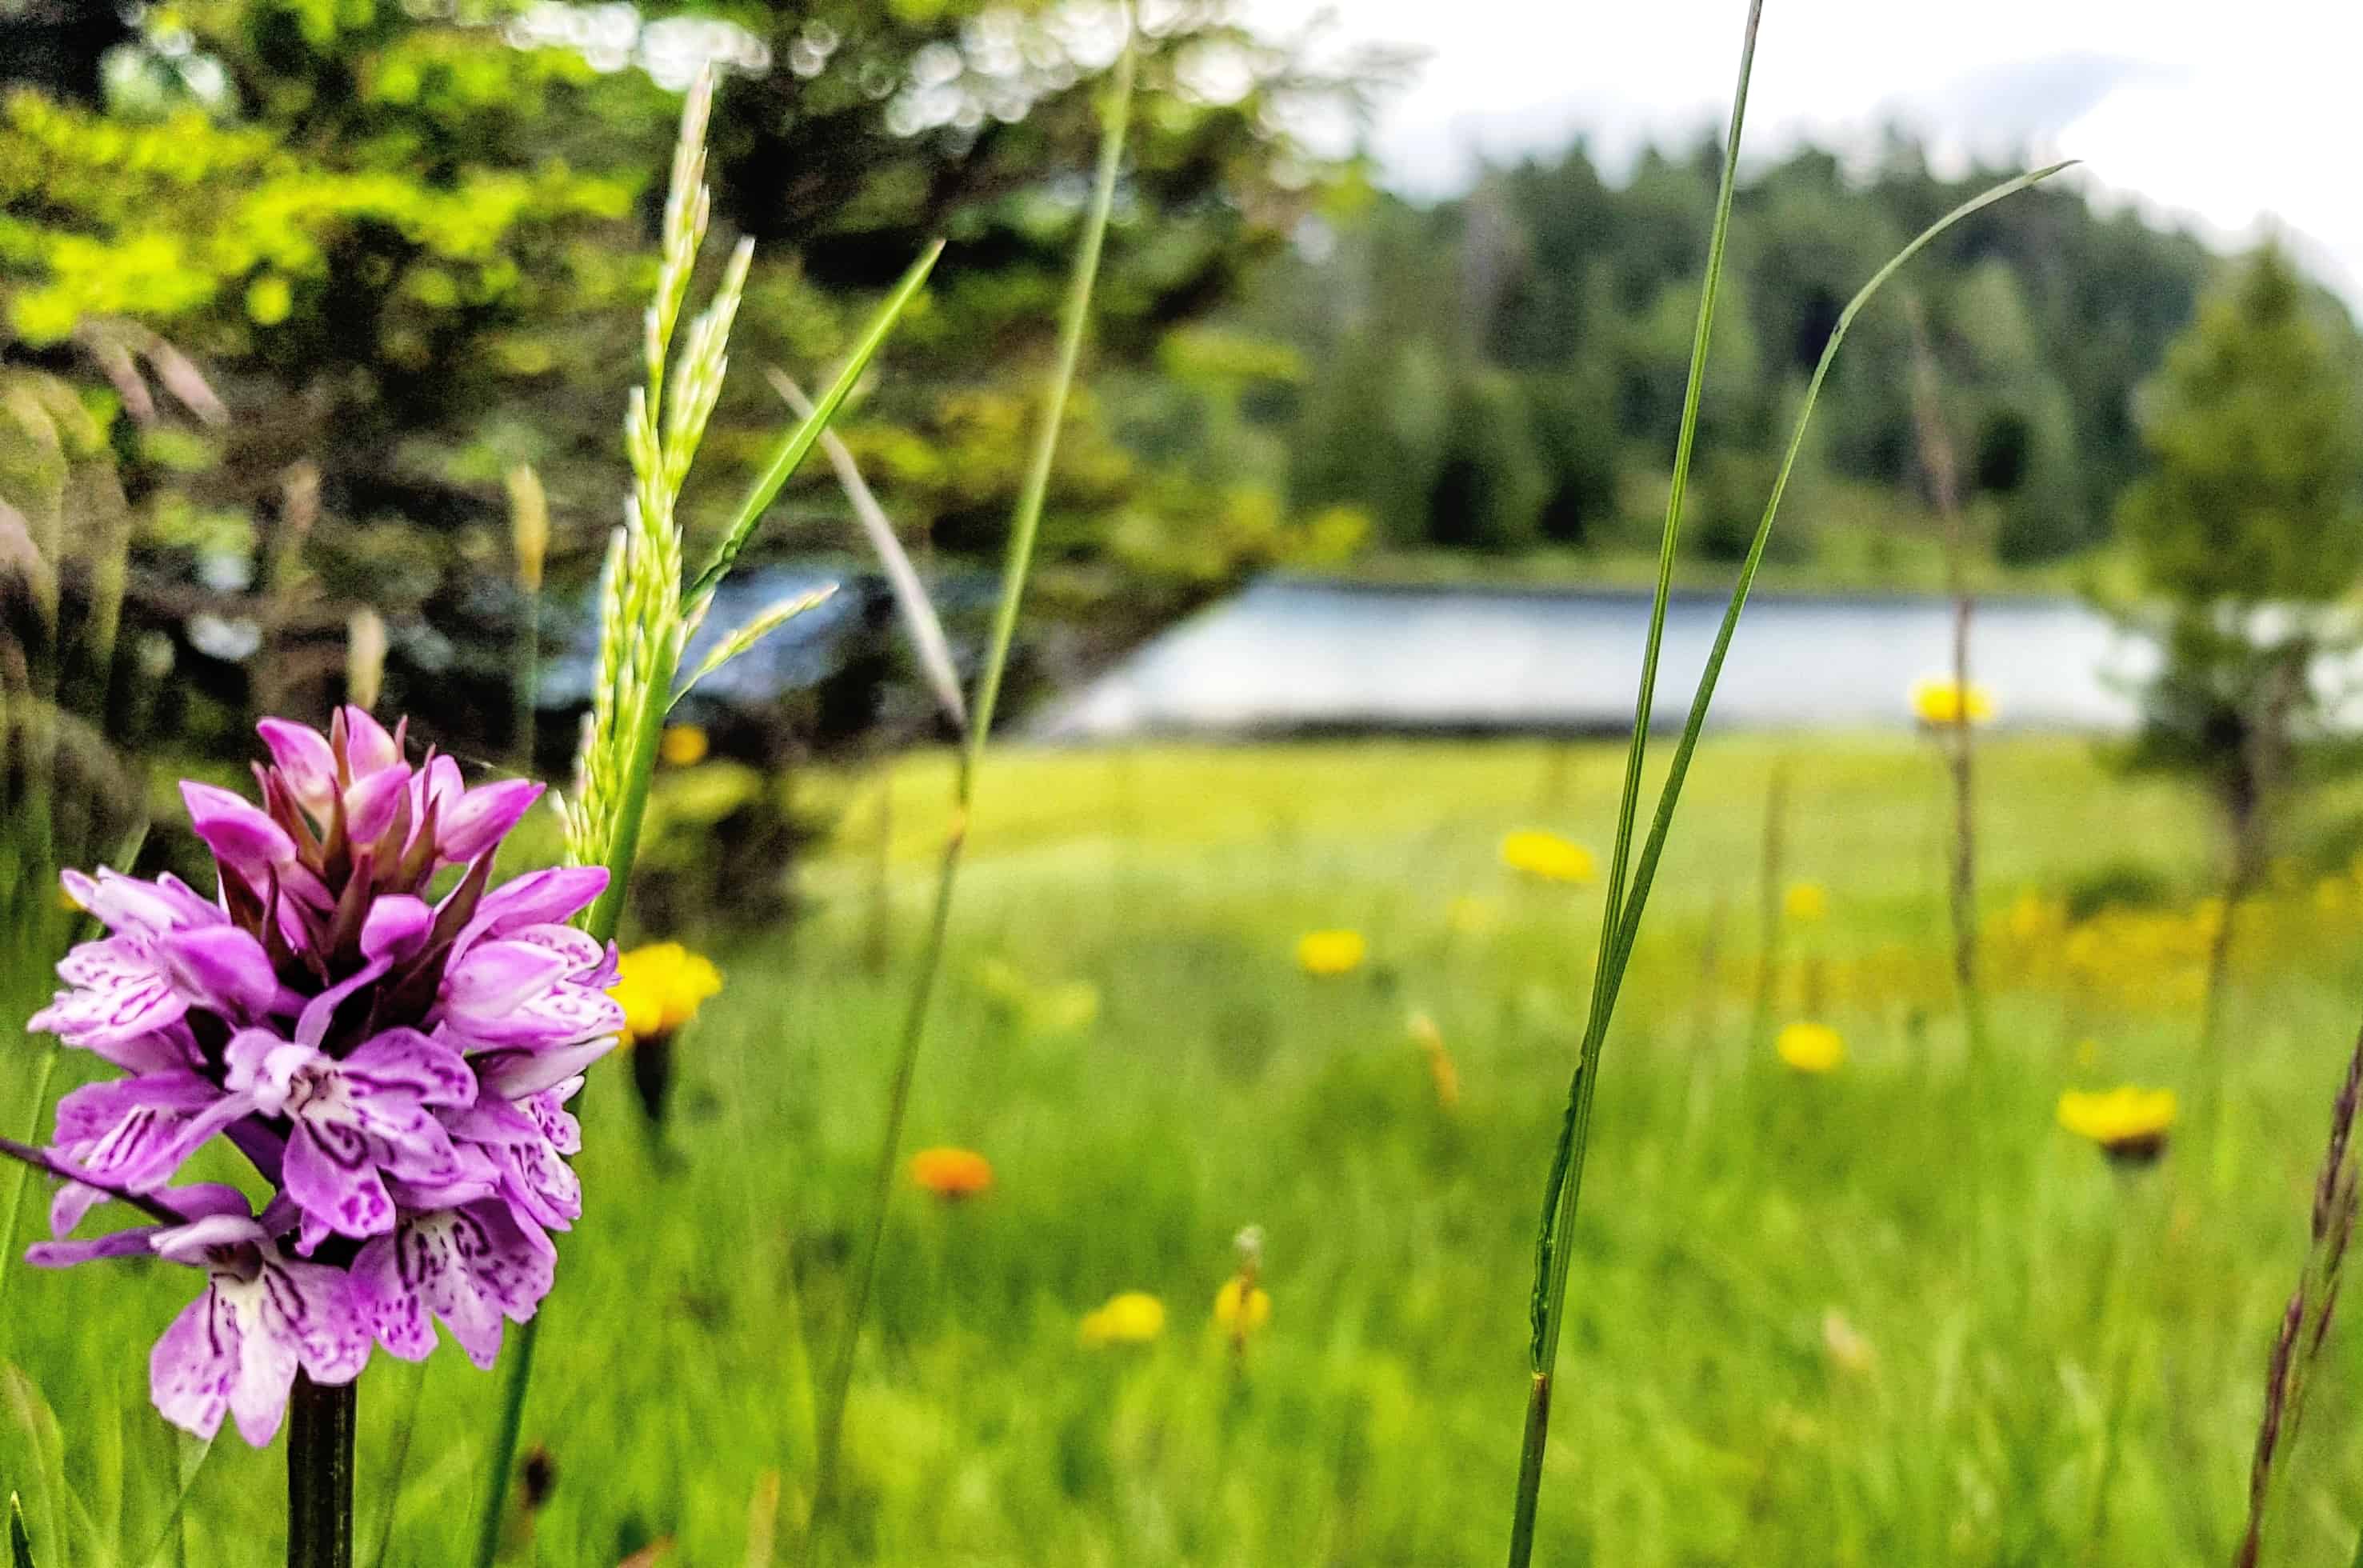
{"type": "Point", "coordinates": [1892, 1314]}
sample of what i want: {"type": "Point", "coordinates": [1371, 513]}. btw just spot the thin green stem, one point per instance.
{"type": "Point", "coordinates": [1621, 925]}
{"type": "Point", "coordinates": [605, 915]}
{"type": "Point", "coordinates": [830, 1421]}
{"type": "Point", "coordinates": [1024, 527]}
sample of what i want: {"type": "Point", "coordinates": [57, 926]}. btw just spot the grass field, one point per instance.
{"type": "Point", "coordinates": [1890, 1315]}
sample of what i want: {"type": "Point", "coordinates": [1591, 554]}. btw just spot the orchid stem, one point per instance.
{"type": "Point", "coordinates": [320, 1474]}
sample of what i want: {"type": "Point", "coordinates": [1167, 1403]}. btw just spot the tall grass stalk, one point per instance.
{"type": "Point", "coordinates": [1936, 458]}
{"type": "Point", "coordinates": [1630, 877]}
{"type": "Point", "coordinates": [2306, 1321]}
{"type": "Point", "coordinates": [529, 539]}
{"type": "Point", "coordinates": [646, 614]}
{"type": "Point", "coordinates": [1770, 852]}
{"type": "Point", "coordinates": [2251, 831]}
{"type": "Point", "coordinates": [1025, 523]}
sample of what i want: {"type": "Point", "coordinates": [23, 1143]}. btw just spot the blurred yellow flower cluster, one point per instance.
{"type": "Point", "coordinates": [660, 987]}
{"type": "Point", "coordinates": [1234, 1320]}
{"type": "Point", "coordinates": [1547, 857]}
{"type": "Point", "coordinates": [2129, 1125]}
{"type": "Point", "coordinates": [1938, 700]}
{"type": "Point", "coordinates": [1331, 953]}
{"type": "Point", "coordinates": [1811, 1048]}
{"type": "Point", "coordinates": [1806, 903]}
{"type": "Point", "coordinates": [1131, 1317]}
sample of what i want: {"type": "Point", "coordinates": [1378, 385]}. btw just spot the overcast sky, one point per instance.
{"type": "Point", "coordinates": [2227, 116]}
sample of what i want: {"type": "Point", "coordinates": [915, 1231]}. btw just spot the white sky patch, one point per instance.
{"type": "Point", "coordinates": [2232, 119]}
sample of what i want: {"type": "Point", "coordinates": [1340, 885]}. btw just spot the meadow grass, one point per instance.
{"type": "Point", "coordinates": [1786, 1355]}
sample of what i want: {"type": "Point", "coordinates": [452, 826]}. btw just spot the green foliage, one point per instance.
{"type": "Point", "coordinates": [2250, 527]}
{"type": "Point", "coordinates": [2046, 316]}
{"type": "Point", "coordinates": [1490, 487]}
{"type": "Point", "coordinates": [2256, 436]}
{"type": "Point", "coordinates": [406, 240]}
{"type": "Point", "coordinates": [1949, 1419]}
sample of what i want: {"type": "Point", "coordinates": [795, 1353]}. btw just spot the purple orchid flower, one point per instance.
{"type": "Point", "coordinates": [471, 1266]}
{"type": "Point", "coordinates": [394, 1060]}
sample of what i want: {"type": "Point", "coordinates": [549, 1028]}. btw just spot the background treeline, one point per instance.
{"type": "Point", "coordinates": [1501, 372]}
{"type": "Point", "coordinates": [291, 290]}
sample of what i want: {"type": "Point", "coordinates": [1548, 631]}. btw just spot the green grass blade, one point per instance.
{"type": "Point", "coordinates": [1621, 924]}
{"type": "Point", "coordinates": [1542, 1343]}
{"type": "Point", "coordinates": [1629, 918]}
{"type": "Point", "coordinates": [20, 1539]}
{"type": "Point", "coordinates": [192, 1454]}
{"type": "Point", "coordinates": [21, 1177]}
{"type": "Point", "coordinates": [790, 453]}
{"type": "Point", "coordinates": [1025, 523]}
{"type": "Point", "coordinates": [1669, 538]}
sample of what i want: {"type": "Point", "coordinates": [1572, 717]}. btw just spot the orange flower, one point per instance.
{"type": "Point", "coordinates": [951, 1173]}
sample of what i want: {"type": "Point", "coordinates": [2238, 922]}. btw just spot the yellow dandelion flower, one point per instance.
{"type": "Point", "coordinates": [1811, 1048]}
{"type": "Point", "coordinates": [1231, 1318]}
{"type": "Point", "coordinates": [2130, 1125]}
{"type": "Point", "coordinates": [2033, 916]}
{"type": "Point", "coordinates": [660, 987]}
{"type": "Point", "coordinates": [951, 1174]}
{"type": "Point", "coordinates": [1805, 902]}
{"type": "Point", "coordinates": [683, 745]}
{"type": "Point", "coordinates": [1938, 700]}
{"type": "Point", "coordinates": [1133, 1318]}
{"type": "Point", "coordinates": [1547, 857]}
{"type": "Point", "coordinates": [1331, 953]}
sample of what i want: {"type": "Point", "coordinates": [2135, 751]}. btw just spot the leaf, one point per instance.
{"type": "Point", "coordinates": [797, 442]}
{"type": "Point", "coordinates": [919, 616]}
{"type": "Point", "coordinates": [42, 1452]}
{"type": "Point", "coordinates": [20, 1539]}
{"type": "Point", "coordinates": [189, 1454]}
{"type": "Point", "coordinates": [747, 636]}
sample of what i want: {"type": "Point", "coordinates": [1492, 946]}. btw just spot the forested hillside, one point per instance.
{"type": "Point", "coordinates": [1503, 370]}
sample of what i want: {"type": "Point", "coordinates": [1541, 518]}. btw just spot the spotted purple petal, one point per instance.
{"type": "Point", "coordinates": [470, 1267]}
